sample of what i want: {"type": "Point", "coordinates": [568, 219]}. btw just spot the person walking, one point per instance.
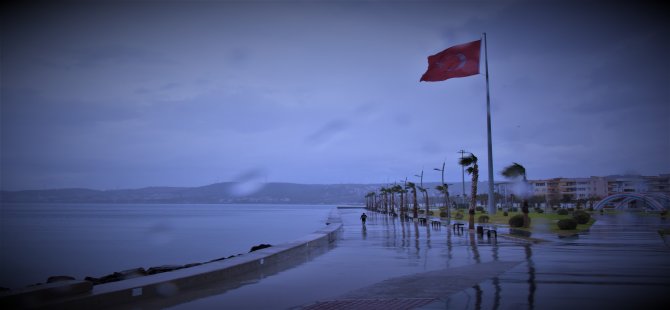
{"type": "Point", "coordinates": [363, 217]}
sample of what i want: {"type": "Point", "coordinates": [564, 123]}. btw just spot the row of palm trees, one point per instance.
{"type": "Point", "coordinates": [381, 202]}
{"type": "Point", "coordinates": [384, 199]}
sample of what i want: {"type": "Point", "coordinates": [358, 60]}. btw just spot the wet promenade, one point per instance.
{"type": "Point", "coordinates": [622, 263]}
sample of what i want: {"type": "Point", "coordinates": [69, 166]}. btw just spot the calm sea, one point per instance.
{"type": "Point", "coordinates": [79, 240]}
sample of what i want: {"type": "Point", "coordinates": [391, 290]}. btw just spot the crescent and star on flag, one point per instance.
{"type": "Point", "coordinates": [457, 61]}
{"type": "Point", "coordinates": [452, 62]}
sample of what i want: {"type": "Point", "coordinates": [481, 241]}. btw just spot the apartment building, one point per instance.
{"type": "Point", "coordinates": [658, 184]}
{"type": "Point", "coordinates": [595, 187]}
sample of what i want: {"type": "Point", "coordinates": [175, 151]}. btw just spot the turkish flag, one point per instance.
{"type": "Point", "coordinates": [457, 61]}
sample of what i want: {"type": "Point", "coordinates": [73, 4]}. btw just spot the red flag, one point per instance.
{"type": "Point", "coordinates": [457, 61]}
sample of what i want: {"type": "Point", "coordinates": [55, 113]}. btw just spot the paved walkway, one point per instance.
{"type": "Point", "coordinates": [389, 264]}
{"type": "Point", "coordinates": [385, 263]}
{"type": "Point", "coordinates": [412, 291]}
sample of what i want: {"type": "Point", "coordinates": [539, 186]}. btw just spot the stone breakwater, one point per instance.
{"type": "Point", "coordinates": [140, 272]}
{"type": "Point", "coordinates": [132, 273]}
{"type": "Point", "coordinates": [64, 292]}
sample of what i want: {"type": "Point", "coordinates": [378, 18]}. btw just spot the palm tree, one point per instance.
{"type": "Point", "coordinates": [369, 200]}
{"type": "Point", "coordinates": [412, 186]}
{"type": "Point", "coordinates": [425, 197]}
{"type": "Point", "coordinates": [514, 171]}
{"type": "Point", "coordinates": [401, 192]}
{"type": "Point", "coordinates": [403, 200]}
{"type": "Point", "coordinates": [397, 189]}
{"type": "Point", "coordinates": [444, 189]}
{"type": "Point", "coordinates": [384, 191]}
{"type": "Point", "coordinates": [470, 163]}
{"type": "Point", "coordinates": [391, 191]}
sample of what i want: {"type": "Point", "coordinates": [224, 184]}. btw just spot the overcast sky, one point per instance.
{"type": "Point", "coordinates": [107, 95]}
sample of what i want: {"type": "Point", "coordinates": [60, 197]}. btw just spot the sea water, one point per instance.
{"type": "Point", "coordinates": [79, 240]}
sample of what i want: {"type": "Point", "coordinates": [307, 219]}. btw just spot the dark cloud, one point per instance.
{"type": "Point", "coordinates": [185, 93]}
{"type": "Point", "coordinates": [116, 55]}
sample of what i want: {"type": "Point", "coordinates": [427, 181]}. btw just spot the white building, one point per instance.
{"type": "Point", "coordinates": [557, 190]}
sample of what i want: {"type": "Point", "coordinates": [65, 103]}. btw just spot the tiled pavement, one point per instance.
{"type": "Point", "coordinates": [371, 304]}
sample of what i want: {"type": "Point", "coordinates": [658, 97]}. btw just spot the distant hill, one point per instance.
{"type": "Point", "coordinates": [227, 192]}
{"type": "Point", "coordinates": [215, 193]}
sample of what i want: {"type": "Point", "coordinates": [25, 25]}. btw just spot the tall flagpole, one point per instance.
{"type": "Point", "coordinates": [491, 204]}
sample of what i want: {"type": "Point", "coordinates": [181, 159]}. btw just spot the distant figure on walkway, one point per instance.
{"type": "Point", "coordinates": [363, 217]}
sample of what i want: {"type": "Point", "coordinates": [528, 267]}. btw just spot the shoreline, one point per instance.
{"type": "Point", "coordinates": [80, 241]}
{"type": "Point", "coordinates": [82, 294]}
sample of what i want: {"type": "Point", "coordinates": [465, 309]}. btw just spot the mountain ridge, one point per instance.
{"type": "Point", "coordinates": [223, 192]}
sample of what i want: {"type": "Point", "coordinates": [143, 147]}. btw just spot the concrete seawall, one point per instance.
{"type": "Point", "coordinates": [182, 284]}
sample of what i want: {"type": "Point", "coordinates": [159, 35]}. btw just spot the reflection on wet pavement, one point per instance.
{"type": "Point", "coordinates": [616, 264]}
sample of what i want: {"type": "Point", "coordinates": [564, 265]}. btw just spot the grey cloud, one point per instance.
{"type": "Point", "coordinates": [187, 93]}
{"type": "Point", "coordinates": [116, 55]}
{"type": "Point", "coordinates": [220, 110]}
{"type": "Point", "coordinates": [327, 132]}
{"type": "Point", "coordinates": [616, 84]}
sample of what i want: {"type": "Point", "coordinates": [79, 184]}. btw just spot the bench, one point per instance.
{"type": "Point", "coordinates": [422, 220]}
{"type": "Point", "coordinates": [488, 231]}
{"type": "Point", "coordinates": [436, 223]}
{"type": "Point", "coordinates": [458, 227]}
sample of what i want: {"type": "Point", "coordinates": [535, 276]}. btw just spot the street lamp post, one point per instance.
{"type": "Point", "coordinates": [421, 182]}
{"type": "Point", "coordinates": [438, 169]}
{"type": "Point", "coordinates": [446, 190]}
{"type": "Point", "coordinates": [420, 176]}
{"type": "Point", "coordinates": [441, 170]}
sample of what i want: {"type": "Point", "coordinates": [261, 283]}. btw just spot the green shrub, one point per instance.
{"type": "Point", "coordinates": [581, 217]}
{"type": "Point", "coordinates": [513, 209]}
{"type": "Point", "coordinates": [479, 209]}
{"type": "Point", "coordinates": [505, 213]}
{"type": "Point", "coordinates": [516, 221]}
{"type": "Point", "coordinates": [458, 216]}
{"type": "Point", "coordinates": [538, 210]}
{"type": "Point", "coordinates": [571, 209]}
{"type": "Point", "coordinates": [483, 219]}
{"type": "Point", "coordinates": [562, 212]}
{"type": "Point", "coordinates": [443, 214]}
{"type": "Point", "coordinates": [567, 224]}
